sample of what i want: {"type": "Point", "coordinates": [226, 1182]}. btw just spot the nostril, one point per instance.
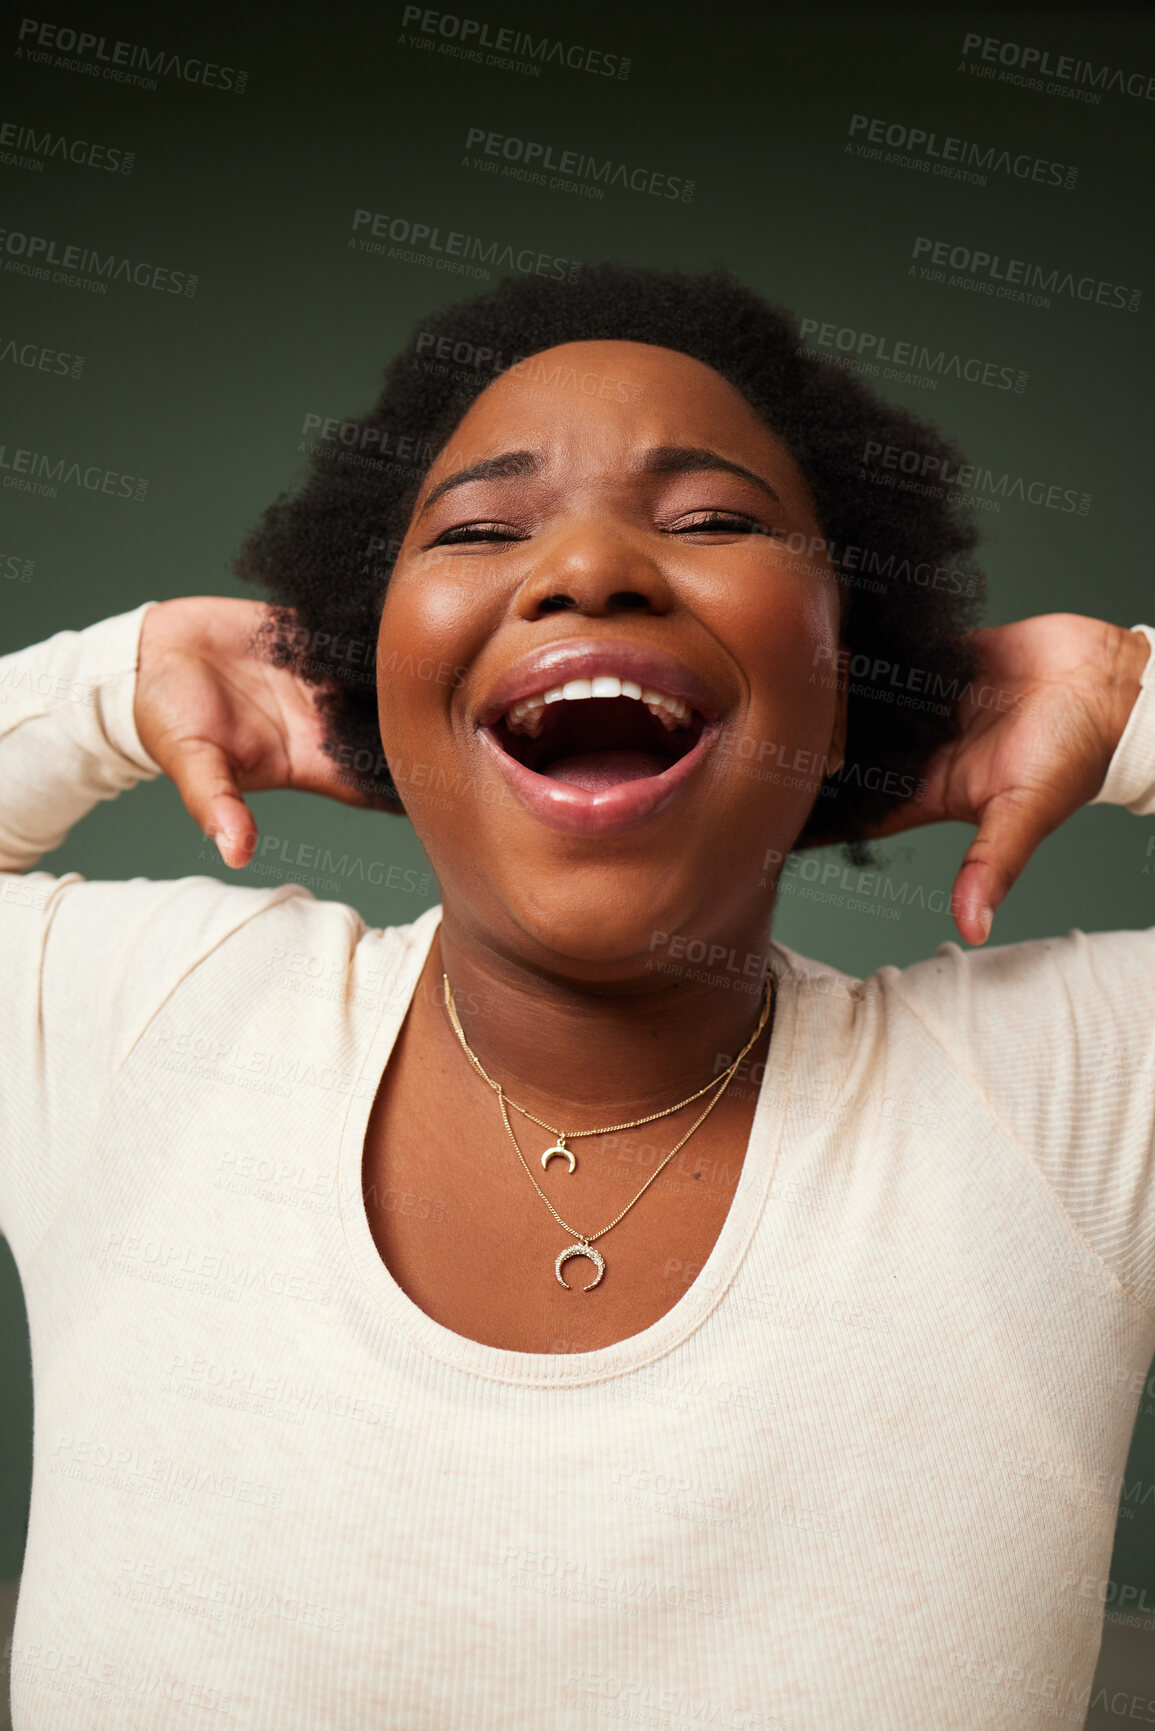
{"type": "Point", "coordinates": [556, 604]}
{"type": "Point", "coordinates": [629, 598]}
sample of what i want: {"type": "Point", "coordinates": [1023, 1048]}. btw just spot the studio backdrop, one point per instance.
{"type": "Point", "coordinates": [220, 222]}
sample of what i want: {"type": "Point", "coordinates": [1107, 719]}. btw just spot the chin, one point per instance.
{"type": "Point", "coordinates": [606, 925]}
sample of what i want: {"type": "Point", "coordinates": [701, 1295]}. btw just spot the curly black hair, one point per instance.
{"type": "Point", "coordinates": [894, 540]}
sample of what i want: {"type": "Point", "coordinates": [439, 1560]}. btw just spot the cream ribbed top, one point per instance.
{"type": "Point", "coordinates": [864, 1473]}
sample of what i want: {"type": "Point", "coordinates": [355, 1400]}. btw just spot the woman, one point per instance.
{"type": "Point", "coordinates": [389, 1371]}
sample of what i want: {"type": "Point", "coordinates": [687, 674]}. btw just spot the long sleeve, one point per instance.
{"type": "Point", "coordinates": [1130, 778]}
{"type": "Point", "coordinates": [85, 965]}
{"type": "Point", "coordinates": [67, 734]}
{"type": "Point", "coordinates": [1058, 1037]}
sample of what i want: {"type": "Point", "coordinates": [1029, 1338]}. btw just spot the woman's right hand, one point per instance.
{"type": "Point", "coordinates": [221, 721]}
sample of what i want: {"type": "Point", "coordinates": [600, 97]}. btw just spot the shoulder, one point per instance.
{"type": "Point", "coordinates": [142, 938]}
{"type": "Point", "coordinates": [1042, 981]}
{"type": "Point", "coordinates": [1048, 1004]}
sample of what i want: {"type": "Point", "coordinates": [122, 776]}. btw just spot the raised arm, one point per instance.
{"type": "Point", "coordinates": [1057, 1036]}
{"type": "Point", "coordinates": [1053, 722]}
{"type": "Point", "coordinates": [67, 735]}
{"type": "Point", "coordinates": [86, 964]}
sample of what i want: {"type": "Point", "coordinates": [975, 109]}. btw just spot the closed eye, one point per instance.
{"type": "Point", "coordinates": [697, 523]}
{"type": "Point", "coordinates": [730, 522]}
{"type": "Point", "coordinates": [462, 533]}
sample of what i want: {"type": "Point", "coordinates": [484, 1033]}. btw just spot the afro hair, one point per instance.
{"type": "Point", "coordinates": [896, 546]}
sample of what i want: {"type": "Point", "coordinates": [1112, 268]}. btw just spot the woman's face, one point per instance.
{"type": "Point", "coordinates": [605, 685]}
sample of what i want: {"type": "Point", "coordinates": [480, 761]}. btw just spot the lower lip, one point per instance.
{"type": "Point", "coordinates": [611, 812]}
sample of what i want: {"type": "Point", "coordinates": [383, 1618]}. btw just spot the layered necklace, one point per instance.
{"type": "Point", "coordinates": [584, 1242]}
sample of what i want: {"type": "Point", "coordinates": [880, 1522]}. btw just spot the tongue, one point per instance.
{"type": "Point", "coordinates": [596, 770]}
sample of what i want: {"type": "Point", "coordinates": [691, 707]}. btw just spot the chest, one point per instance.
{"type": "Point", "coordinates": [271, 1484]}
{"type": "Point", "coordinates": [465, 1226]}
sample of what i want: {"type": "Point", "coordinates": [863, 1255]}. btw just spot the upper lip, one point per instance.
{"type": "Point", "coordinates": [581, 658]}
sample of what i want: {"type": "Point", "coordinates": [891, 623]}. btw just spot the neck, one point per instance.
{"type": "Point", "coordinates": [579, 1052]}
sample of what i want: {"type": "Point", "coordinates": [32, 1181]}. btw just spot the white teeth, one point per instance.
{"type": "Point", "coordinates": [527, 715]}
{"type": "Point", "coordinates": [670, 711]}
{"type": "Point", "coordinates": [526, 704]}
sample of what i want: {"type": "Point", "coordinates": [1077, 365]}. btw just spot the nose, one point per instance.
{"type": "Point", "coordinates": [595, 568]}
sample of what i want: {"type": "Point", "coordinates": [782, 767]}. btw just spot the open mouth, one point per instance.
{"type": "Point", "coordinates": [598, 733]}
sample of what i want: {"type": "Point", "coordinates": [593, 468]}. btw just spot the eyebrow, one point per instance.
{"type": "Point", "coordinates": [661, 460]}
{"type": "Point", "coordinates": [509, 466]}
{"type": "Point", "coordinates": [693, 459]}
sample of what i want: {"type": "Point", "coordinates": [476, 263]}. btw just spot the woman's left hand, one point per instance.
{"type": "Point", "coordinates": [1039, 727]}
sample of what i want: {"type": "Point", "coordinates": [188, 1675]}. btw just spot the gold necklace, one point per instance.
{"type": "Point", "coordinates": [583, 1244]}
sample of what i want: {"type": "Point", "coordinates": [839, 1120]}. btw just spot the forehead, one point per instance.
{"type": "Point", "coordinates": [609, 394]}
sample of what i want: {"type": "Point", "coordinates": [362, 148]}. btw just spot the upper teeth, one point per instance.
{"type": "Point", "coordinates": [527, 715]}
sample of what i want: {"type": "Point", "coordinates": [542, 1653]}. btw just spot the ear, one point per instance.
{"type": "Point", "coordinates": [836, 751]}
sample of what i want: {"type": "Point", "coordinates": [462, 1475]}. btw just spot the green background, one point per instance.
{"type": "Point", "coordinates": [254, 193]}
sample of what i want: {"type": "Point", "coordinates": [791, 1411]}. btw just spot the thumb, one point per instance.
{"type": "Point", "coordinates": [207, 784]}
{"type": "Point", "coordinates": [1010, 829]}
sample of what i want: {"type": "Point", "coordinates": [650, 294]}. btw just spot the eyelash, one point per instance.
{"type": "Point", "coordinates": [474, 532]}
{"type": "Point", "coordinates": [725, 520]}
{"type": "Point", "coordinates": [463, 533]}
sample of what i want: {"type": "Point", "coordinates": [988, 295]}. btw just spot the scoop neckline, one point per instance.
{"type": "Point", "coordinates": [543, 1369]}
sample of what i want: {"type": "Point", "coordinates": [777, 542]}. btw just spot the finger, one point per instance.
{"type": "Point", "coordinates": [1010, 829]}
{"type": "Point", "coordinates": [312, 767]}
{"type": "Point", "coordinates": [206, 783]}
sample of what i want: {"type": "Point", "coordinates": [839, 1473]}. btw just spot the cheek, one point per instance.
{"type": "Point", "coordinates": [404, 645]}
{"type": "Point", "coordinates": [427, 608]}
{"type": "Point", "coordinates": [792, 634]}
{"type": "Point", "coordinates": [432, 626]}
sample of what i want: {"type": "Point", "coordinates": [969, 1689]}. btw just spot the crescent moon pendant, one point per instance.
{"type": "Point", "coordinates": [558, 1148]}
{"type": "Point", "coordinates": [587, 1250]}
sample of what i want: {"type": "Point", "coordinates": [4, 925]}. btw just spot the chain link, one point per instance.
{"type": "Point", "coordinates": [769, 1000]}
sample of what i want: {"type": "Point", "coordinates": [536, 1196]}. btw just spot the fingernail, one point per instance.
{"type": "Point", "coordinates": [986, 916]}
